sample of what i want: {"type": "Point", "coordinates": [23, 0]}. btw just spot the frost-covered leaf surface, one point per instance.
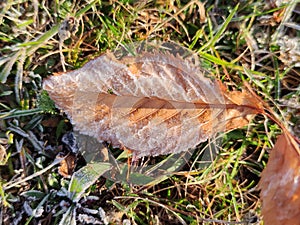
{"type": "Point", "coordinates": [280, 187]}
{"type": "Point", "coordinates": [153, 102]}
{"type": "Point", "coordinates": [85, 177]}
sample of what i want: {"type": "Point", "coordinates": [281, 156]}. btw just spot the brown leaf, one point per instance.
{"type": "Point", "coordinates": [152, 103]}
{"type": "Point", "coordinates": [279, 184]}
{"type": "Point", "coordinates": [67, 165]}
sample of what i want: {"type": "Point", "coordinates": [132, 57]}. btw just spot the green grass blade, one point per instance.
{"type": "Point", "coordinates": [69, 217]}
{"type": "Point", "coordinates": [85, 177]}
{"type": "Point", "coordinates": [7, 68]}
{"type": "Point", "coordinates": [17, 113]}
{"type": "Point", "coordinates": [221, 30]}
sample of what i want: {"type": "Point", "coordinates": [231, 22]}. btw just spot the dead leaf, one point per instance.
{"type": "Point", "coordinates": [156, 102]}
{"type": "Point", "coordinates": [67, 165]}
{"type": "Point", "coordinates": [280, 184]}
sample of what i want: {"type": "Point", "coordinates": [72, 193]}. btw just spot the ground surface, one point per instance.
{"type": "Point", "coordinates": [253, 41]}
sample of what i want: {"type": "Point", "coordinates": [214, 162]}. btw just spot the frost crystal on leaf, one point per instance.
{"type": "Point", "coordinates": [151, 100]}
